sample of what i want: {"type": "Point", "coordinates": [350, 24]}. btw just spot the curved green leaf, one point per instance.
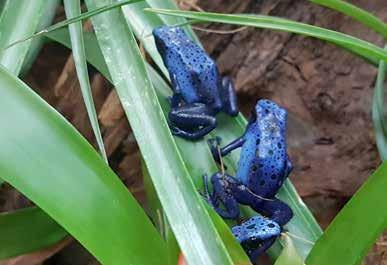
{"type": "Point", "coordinates": [357, 46]}
{"type": "Point", "coordinates": [73, 9]}
{"type": "Point", "coordinates": [353, 231]}
{"type": "Point", "coordinates": [357, 13]}
{"type": "Point", "coordinates": [18, 20]}
{"type": "Point", "coordinates": [378, 116]}
{"type": "Point", "coordinates": [181, 203]}
{"type": "Point", "coordinates": [27, 230]}
{"type": "Point", "coordinates": [64, 23]}
{"type": "Point", "coordinates": [44, 157]}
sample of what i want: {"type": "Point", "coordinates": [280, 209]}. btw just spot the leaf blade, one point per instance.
{"type": "Point", "coordinates": [47, 177]}
{"type": "Point", "coordinates": [73, 9]}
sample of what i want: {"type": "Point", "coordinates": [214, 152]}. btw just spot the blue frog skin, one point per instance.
{"type": "Point", "coordinates": [199, 92]}
{"type": "Point", "coordinates": [262, 168]}
{"type": "Point", "coordinates": [256, 235]}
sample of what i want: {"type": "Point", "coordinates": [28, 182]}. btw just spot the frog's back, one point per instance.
{"type": "Point", "coordinates": [195, 72]}
{"type": "Point", "coordinates": [264, 160]}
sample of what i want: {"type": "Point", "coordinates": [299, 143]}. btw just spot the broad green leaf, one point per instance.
{"type": "Point", "coordinates": [27, 230]}
{"type": "Point", "coordinates": [18, 20]}
{"type": "Point", "coordinates": [64, 23]}
{"type": "Point", "coordinates": [47, 160]}
{"type": "Point", "coordinates": [289, 255]}
{"type": "Point", "coordinates": [73, 9]}
{"type": "Point", "coordinates": [378, 118]}
{"type": "Point", "coordinates": [357, 46]}
{"type": "Point", "coordinates": [176, 191]}
{"type": "Point", "coordinates": [348, 238]}
{"type": "Point", "coordinates": [36, 44]}
{"type": "Point", "coordinates": [188, 150]}
{"type": "Point", "coordinates": [303, 224]}
{"type": "Point", "coordinates": [357, 13]}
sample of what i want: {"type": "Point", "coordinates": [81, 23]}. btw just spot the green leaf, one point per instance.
{"type": "Point", "coordinates": [357, 46]}
{"type": "Point", "coordinates": [36, 44]}
{"type": "Point", "coordinates": [188, 150]}
{"type": "Point", "coordinates": [353, 231]}
{"type": "Point", "coordinates": [181, 203]}
{"type": "Point", "coordinates": [357, 13]}
{"type": "Point", "coordinates": [64, 23]}
{"type": "Point", "coordinates": [378, 118]}
{"type": "Point", "coordinates": [18, 20]}
{"type": "Point", "coordinates": [45, 158]}
{"type": "Point", "coordinates": [289, 255]}
{"type": "Point", "coordinates": [73, 9]}
{"type": "Point", "coordinates": [303, 224]}
{"type": "Point", "coordinates": [27, 230]}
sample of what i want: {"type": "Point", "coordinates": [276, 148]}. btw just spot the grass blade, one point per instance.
{"type": "Point", "coordinates": [378, 117]}
{"type": "Point", "coordinates": [64, 23]}
{"type": "Point", "coordinates": [24, 16]}
{"type": "Point", "coordinates": [44, 157]}
{"type": "Point", "coordinates": [357, 13]}
{"type": "Point", "coordinates": [73, 9]}
{"type": "Point", "coordinates": [183, 206]}
{"type": "Point", "coordinates": [353, 231]}
{"type": "Point", "coordinates": [27, 230]}
{"type": "Point", "coordinates": [357, 46]}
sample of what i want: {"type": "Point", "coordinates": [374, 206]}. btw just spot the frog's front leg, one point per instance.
{"type": "Point", "coordinates": [228, 97]}
{"type": "Point", "coordinates": [226, 149]}
{"type": "Point", "coordinates": [191, 121]}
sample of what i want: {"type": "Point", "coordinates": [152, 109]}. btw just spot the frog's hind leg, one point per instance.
{"type": "Point", "coordinates": [277, 211]}
{"type": "Point", "coordinates": [228, 97]}
{"type": "Point", "coordinates": [192, 121]}
{"type": "Point", "coordinates": [222, 194]}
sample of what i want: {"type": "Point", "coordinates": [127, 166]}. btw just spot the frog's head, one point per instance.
{"type": "Point", "coordinates": [166, 36]}
{"type": "Point", "coordinates": [255, 230]}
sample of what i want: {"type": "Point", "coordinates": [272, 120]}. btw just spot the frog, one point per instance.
{"type": "Point", "coordinates": [199, 91]}
{"type": "Point", "coordinates": [256, 234]}
{"type": "Point", "coordinates": [263, 167]}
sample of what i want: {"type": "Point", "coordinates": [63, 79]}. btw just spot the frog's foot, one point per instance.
{"type": "Point", "coordinates": [192, 121]}
{"type": "Point", "coordinates": [215, 147]}
{"type": "Point", "coordinates": [206, 193]}
{"type": "Point", "coordinates": [228, 97]}
{"type": "Point", "coordinates": [256, 235]}
{"type": "Point", "coordinates": [223, 193]}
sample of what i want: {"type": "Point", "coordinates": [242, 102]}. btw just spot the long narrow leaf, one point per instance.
{"type": "Point", "coordinates": [73, 9]}
{"type": "Point", "coordinates": [378, 117]}
{"type": "Point", "coordinates": [197, 165]}
{"type": "Point", "coordinates": [289, 255]}
{"type": "Point", "coordinates": [64, 23]}
{"type": "Point", "coordinates": [353, 231]}
{"type": "Point", "coordinates": [44, 157]}
{"type": "Point", "coordinates": [36, 44]}
{"type": "Point", "coordinates": [357, 46]}
{"type": "Point", "coordinates": [27, 230]}
{"type": "Point", "coordinates": [183, 206]}
{"type": "Point", "coordinates": [18, 20]}
{"type": "Point", "coordinates": [357, 13]}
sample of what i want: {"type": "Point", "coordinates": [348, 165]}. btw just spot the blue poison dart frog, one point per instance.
{"type": "Point", "coordinates": [263, 166]}
{"type": "Point", "coordinates": [256, 235]}
{"type": "Point", "coordinates": [199, 92]}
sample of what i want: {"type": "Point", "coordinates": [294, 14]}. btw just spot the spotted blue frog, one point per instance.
{"type": "Point", "coordinates": [262, 168]}
{"type": "Point", "coordinates": [199, 92]}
